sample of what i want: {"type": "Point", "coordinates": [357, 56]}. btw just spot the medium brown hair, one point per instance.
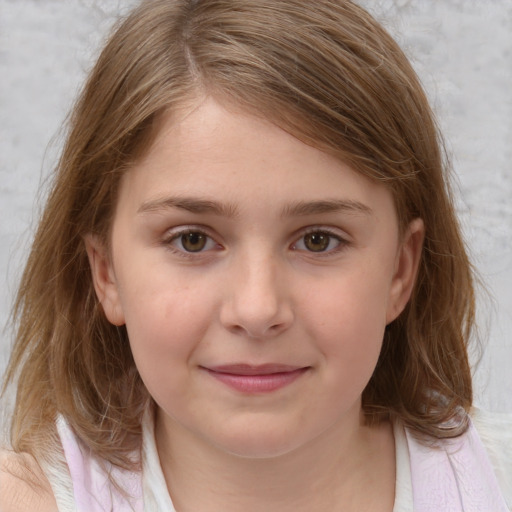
{"type": "Point", "coordinates": [326, 72]}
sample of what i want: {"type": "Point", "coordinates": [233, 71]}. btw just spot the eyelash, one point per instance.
{"type": "Point", "coordinates": [342, 243]}
{"type": "Point", "coordinates": [175, 236]}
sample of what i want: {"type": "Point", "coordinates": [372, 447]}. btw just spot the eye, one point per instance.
{"type": "Point", "coordinates": [191, 241]}
{"type": "Point", "coordinates": [319, 241]}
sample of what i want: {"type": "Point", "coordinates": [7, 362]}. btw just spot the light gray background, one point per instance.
{"type": "Point", "coordinates": [462, 50]}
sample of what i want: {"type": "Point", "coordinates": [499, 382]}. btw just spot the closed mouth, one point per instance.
{"type": "Point", "coordinates": [248, 369]}
{"type": "Point", "coordinates": [256, 379]}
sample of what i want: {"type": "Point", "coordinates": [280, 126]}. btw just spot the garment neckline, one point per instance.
{"type": "Point", "coordinates": [157, 497]}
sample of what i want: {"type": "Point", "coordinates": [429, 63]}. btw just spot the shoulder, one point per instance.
{"type": "Point", "coordinates": [495, 432]}
{"type": "Point", "coordinates": [23, 485]}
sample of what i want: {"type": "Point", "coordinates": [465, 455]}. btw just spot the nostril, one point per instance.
{"type": "Point", "coordinates": [256, 308]}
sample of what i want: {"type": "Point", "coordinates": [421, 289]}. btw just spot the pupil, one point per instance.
{"type": "Point", "coordinates": [317, 242]}
{"type": "Point", "coordinates": [193, 242]}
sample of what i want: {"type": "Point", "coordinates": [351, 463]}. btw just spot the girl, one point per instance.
{"type": "Point", "coordinates": [248, 289]}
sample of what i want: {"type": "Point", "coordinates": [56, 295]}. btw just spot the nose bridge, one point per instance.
{"type": "Point", "coordinates": [258, 303]}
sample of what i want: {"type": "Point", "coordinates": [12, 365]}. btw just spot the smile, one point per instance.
{"type": "Point", "coordinates": [256, 379]}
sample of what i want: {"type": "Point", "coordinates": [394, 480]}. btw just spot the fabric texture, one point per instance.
{"type": "Point", "coordinates": [455, 476]}
{"type": "Point", "coordinates": [472, 473]}
{"type": "Point", "coordinates": [92, 480]}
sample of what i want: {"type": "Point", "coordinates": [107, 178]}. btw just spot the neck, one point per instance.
{"type": "Point", "coordinates": [352, 469]}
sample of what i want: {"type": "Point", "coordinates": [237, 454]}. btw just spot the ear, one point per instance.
{"type": "Point", "coordinates": [104, 279]}
{"type": "Point", "coordinates": [406, 269]}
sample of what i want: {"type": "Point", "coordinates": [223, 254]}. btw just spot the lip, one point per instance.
{"type": "Point", "coordinates": [256, 379]}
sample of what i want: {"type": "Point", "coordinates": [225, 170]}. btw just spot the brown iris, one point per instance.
{"type": "Point", "coordinates": [193, 242]}
{"type": "Point", "coordinates": [317, 242]}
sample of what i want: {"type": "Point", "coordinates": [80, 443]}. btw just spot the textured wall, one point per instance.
{"type": "Point", "coordinates": [462, 50]}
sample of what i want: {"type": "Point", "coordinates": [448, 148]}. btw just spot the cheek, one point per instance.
{"type": "Point", "coordinates": [349, 322]}
{"type": "Point", "coordinates": [165, 321]}
{"type": "Point", "coordinates": [164, 331]}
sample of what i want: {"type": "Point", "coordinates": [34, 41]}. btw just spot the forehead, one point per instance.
{"type": "Point", "coordinates": [219, 152]}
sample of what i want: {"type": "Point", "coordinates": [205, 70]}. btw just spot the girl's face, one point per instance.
{"type": "Point", "coordinates": [255, 275]}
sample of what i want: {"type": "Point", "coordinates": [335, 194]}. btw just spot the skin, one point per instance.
{"type": "Point", "coordinates": [259, 291]}
{"type": "Point", "coordinates": [23, 485]}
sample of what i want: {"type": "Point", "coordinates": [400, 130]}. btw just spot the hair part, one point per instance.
{"type": "Point", "coordinates": [326, 72]}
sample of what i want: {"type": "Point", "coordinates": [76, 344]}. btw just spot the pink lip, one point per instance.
{"type": "Point", "coordinates": [256, 379]}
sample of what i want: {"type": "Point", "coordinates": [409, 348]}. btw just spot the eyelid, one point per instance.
{"type": "Point", "coordinates": [175, 233]}
{"type": "Point", "coordinates": [336, 233]}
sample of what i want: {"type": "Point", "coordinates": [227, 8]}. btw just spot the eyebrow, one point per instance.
{"type": "Point", "coordinates": [304, 208]}
{"type": "Point", "coordinates": [300, 208]}
{"type": "Point", "coordinates": [190, 204]}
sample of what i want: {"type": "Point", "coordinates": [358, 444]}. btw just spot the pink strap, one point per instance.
{"type": "Point", "coordinates": [92, 487]}
{"type": "Point", "coordinates": [454, 476]}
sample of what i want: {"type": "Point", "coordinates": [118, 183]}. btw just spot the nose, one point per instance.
{"type": "Point", "coordinates": [257, 303]}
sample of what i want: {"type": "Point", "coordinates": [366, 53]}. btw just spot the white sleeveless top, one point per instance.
{"type": "Point", "coordinates": [472, 473]}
